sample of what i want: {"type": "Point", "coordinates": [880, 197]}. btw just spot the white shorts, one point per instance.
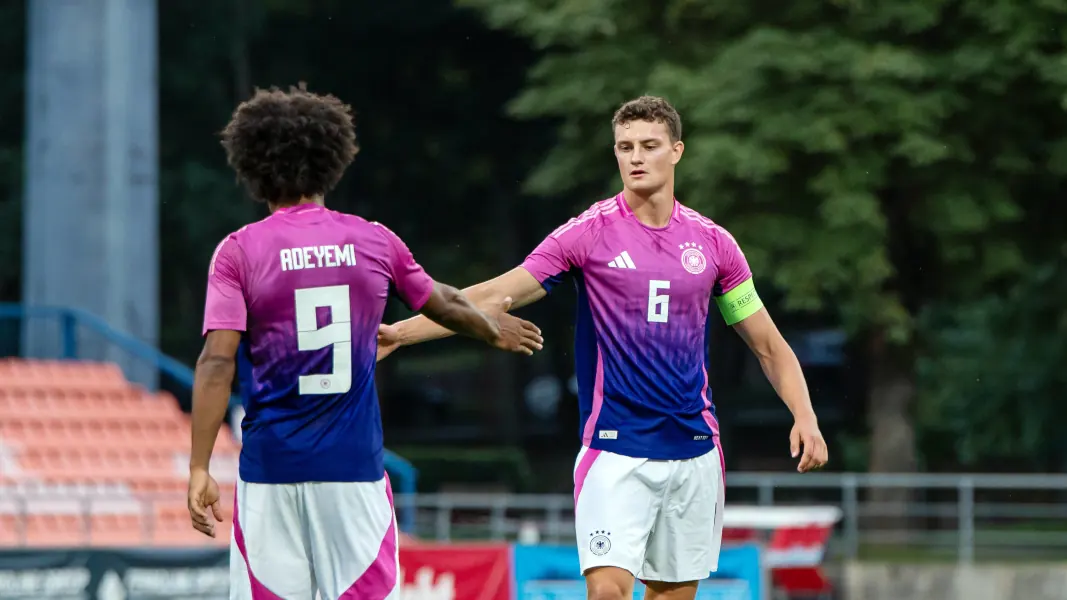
{"type": "Point", "coordinates": [659, 519]}
{"type": "Point", "coordinates": [291, 541]}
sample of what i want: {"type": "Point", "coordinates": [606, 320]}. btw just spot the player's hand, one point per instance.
{"type": "Point", "coordinates": [516, 335]}
{"type": "Point", "coordinates": [205, 508]}
{"type": "Point", "coordinates": [807, 437]}
{"type": "Point", "coordinates": [388, 340]}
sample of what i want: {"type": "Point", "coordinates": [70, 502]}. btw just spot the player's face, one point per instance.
{"type": "Point", "coordinates": [646, 154]}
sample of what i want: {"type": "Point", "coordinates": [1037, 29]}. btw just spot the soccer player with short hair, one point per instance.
{"type": "Point", "coordinates": [648, 480]}
{"type": "Point", "coordinates": [301, 295]}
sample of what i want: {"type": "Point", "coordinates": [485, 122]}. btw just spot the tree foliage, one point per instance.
{"type": "Point", "coordinates": [994, 376]}
{"type": "Point", "coordinates": [873, 158]}
{"type": "Point", "coordinates": [898, 164]}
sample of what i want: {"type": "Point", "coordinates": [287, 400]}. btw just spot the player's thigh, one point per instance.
{"type": "Point", "coordinates": [353, 538]}
{"type": "Point", "coordinates": [687, 536]}
{"type": "Point", "coordinates": [268, 553]}
{"type": "Point", "coordinates": [615, 507]}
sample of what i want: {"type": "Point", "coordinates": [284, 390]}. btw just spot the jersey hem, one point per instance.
{"type": "Point", "coordinates": [224, 326]}
{"type": "Point", "coordinates": [417, 306]}
{"type": "Point", "coordinates": [295, 480]}
{"type": "Point", "coordinates": [647, 454]}
{"type": "Point", "coordinates": [537, 275]}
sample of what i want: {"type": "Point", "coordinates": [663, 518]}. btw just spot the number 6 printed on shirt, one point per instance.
{"type": "Point", "coordinates": [658, 303]}
{"type": "Point", "coordinates": [309, 336]}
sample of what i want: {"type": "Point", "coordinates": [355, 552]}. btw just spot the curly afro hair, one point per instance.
{"type": "Point", "coordinates": [652, 109]}
{"type": "Point", "coordinates": [290, 145]}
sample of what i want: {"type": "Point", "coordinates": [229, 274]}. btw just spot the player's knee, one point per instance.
{"type": "Point", "coordinates": [606, 588]}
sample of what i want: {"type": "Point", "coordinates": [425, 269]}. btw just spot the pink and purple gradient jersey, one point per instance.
{"type": "Point", "coordinates": [643, 323]}
{"type": "Point", "coordinates": [308, 287]}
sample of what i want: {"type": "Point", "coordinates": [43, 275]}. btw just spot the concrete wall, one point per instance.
{"type": "Point", "coordinates": [875, 581]}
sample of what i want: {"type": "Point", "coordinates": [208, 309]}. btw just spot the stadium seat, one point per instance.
{"type": "Point", "coordinates": [9, 531]}
{"type": "Point", "coordinates": [173, 529]}
{"type": "Point", "coordinates": [87, 458]}
{"type": "Point", "coordinates": [56, 530]}
{"type": "Point", "coordinates": [128, 530]}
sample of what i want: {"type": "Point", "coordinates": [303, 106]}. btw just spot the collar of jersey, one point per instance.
{"type": "Point", "coordinates": [299, 208]}
{"type": "Point", "coordinates": [628, 213]}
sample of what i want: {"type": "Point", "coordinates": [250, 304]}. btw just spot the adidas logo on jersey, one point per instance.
{"type": "Point", "coordinates": [622, 261]}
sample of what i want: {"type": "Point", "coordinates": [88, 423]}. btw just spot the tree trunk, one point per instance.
{"type": "Point", "coordinates": [892, 431]}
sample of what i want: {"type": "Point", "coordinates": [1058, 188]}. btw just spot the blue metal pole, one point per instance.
{"type": "Point", "coordinates": [69, 327]}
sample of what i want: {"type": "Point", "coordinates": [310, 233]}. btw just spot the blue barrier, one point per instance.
{"type": "Point", "coordinates": [70, 319]}
{"type": "Point", "coordinates": [552, 573]}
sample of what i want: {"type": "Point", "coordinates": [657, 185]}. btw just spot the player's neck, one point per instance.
{"type": "Point", "coordinates": [655, 209]}
{"type": "Point", "coordinates": [274, 206]}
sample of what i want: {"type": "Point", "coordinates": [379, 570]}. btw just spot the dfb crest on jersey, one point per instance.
{"type": "Point", "coordinates": [693, 258]}
{"type": "Point", "coordinates": [600, 544]}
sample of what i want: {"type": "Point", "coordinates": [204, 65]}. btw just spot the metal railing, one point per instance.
{"type": "Point", "coordinates": [966, 517]}
{"type": "Point", "coordinates": [888, 516]}
{"type": "Point", "coordinates": [134, 521]}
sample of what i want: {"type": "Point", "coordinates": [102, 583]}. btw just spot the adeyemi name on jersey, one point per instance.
{"type": "Point", "coordinates": [314, 257]}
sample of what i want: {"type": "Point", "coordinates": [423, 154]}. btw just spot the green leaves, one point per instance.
{"type": "Point", "coordinates": [804, 134]}
{"type": "Point", "coordinates": [889, 161]}
{"type": "Point", "coordinates": [566, 22]}
{"type": "Point", "coordinates": [992, 380]}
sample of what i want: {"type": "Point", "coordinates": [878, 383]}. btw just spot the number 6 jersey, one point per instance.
{"type": "Point", "coordinates": [308, 287]}
{"type": "Point", "coordinates": [641, 336]}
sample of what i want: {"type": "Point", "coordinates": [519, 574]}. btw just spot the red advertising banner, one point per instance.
{"type": "Point", "coordinates": [455, 572]}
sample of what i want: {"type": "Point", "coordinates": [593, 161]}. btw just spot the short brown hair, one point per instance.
{"type": "Point", "coordinates": [290, 145]}
{"type": "Point", "coordinates": [652, 109]}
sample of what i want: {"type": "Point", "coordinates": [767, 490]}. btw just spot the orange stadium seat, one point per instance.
{"type": "Point", "coordinates": [81, 404]}
{"type": "Point", "coordinates": [62, 375]}
{"type": "Point", "coordinates": [9, 531]}
{"type": "Point", "coordinates": [172, 522]}
{"type": "Point", "coordinates": [56, 530]}
{"type": "Point", "coordinates": [118, 530]}
{"type": "Point", "coordinates": [87, 458]}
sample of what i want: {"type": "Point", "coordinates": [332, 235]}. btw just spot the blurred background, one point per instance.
{"type": "Point", "coordinates": [895, 171]}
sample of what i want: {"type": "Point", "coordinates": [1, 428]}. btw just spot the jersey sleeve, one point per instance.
{"type": "Point", "coordinates": [410, 281]}
{"type": "Point", "coordinates": [225, 306]}
{"type": "Point", "coordinates": [735, 293]}
{"type": "Point", "coordinates": [564, 249]}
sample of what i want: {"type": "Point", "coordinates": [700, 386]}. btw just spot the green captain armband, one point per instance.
{"type": "Point", "coordinates": [739, 303]}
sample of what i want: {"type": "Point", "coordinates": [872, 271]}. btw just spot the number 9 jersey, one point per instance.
{"type": "Point", "coordinates": [308, 288]}
{"type": "Point", "coordinates": [641, 334]}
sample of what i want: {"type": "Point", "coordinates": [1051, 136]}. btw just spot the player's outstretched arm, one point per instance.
{"type": "Point", "coordinates": [448, 307]}
{"type": "Point", "coordinates": [782, 369]}
{"type": "Point", "coordinates": [518, 284]}
{"type": "Point", "coordinates": [212, 383]}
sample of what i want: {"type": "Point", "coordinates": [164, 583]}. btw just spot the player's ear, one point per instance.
{"type": "Point", "coordinates": [676, 152]}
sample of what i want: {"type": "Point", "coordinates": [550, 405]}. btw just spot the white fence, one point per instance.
{"type": "Point", "coordinates": [931, 515]}
{"type": "Point", "coordinates": [966, 517]}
